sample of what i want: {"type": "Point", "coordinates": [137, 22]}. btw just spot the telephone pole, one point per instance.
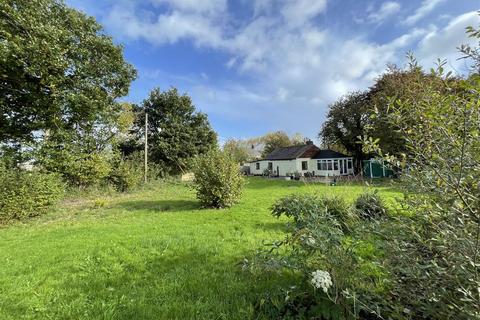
{"type": "Point", "coordinates": [146, 146]}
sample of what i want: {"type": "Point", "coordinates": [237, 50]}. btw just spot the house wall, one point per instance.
{"type": "Point", "coordinates": [284, 167]}
{"type": "Point", "coordinates": [298, 164]}
{"type": "Point", "coordinates": [253, 167]}
{"type": "Point", "coordinates": [291, 166]}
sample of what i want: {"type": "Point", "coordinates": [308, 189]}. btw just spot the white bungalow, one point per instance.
{"type": "Point", "coordinates": [305, 159]}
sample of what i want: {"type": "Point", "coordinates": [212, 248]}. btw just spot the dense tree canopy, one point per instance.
{"type": "Point", "coordinates": [390, 89]}
{"type": "Point", "coordinates": [346, 121]}
{"type": "Point", "coordinates": [238, 150]}
{"type": "Point", "coordinates": [279, 139]}
{"type": "Point", "coordinates": [360, 114]}
{"type": "Point", "coordinates": [58, 71]}
{"type": "Point", "coordinates": [176, 131]}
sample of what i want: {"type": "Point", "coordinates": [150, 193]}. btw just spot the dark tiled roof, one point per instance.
{"type": "Point", "coordinates": [293, 152]}
{"type": "Point", "coordinates": [328, 154]}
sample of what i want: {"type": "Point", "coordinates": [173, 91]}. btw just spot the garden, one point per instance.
{"type": "Point", "coordinates": [96, 221]}
{"type": "Point", "coordinates": [151, 254]}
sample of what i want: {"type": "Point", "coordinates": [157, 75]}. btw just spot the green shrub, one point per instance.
{"type": "Point", "coordinates": [218, 181]}
{"type": "Point", "coordinates": [126, 174]}
{"type": "Point", "coordinates": [370, 206]}
{"type": "Point", "coordinates": [78, 168]}
{"type": "Point", "coordinates": [333, 256]}
{"type": "Point", "coordinates": [26, 194]}
{"type": "Point", "coordinates": [308, 207]}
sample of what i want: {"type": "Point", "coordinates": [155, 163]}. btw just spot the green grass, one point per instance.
{"type": "Point", "coordinates": [153, 254]}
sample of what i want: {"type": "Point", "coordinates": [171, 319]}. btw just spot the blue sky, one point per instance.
{"type": "Point", "coordinates": [261, 65]}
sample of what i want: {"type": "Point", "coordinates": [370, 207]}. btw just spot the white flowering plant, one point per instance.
{"type": "Point", "coordinates": [328, 251]}
{"type": "Point", "coordinates": [321, 280]}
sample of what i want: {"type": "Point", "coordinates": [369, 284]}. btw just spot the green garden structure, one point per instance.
{"type": "Point", "coordinates": [376, 169]}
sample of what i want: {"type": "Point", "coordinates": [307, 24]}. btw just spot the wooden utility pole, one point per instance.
{"type": "Point", "coordinates": [146, 146]}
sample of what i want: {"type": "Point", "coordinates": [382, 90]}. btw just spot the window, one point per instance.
{"type": "Point", "coordinates": [335, 164]}
{"type": "Point", "coordinates": [270, 166]}
{"type": "Point", "coordinates": [350, 164]}
{"type": "Point", "coordinates": [257, 166]}
{"type": "Point", "coordinates": [304, 165]}
{"type": "Point", "coordinates": [324, 164]}
{"type": "Point", "coordinates": [329, 164]}
{"type": "Point", "coordinates": [319, 164]}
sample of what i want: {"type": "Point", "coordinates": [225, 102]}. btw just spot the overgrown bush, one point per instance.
{"type": "Point", "coordinates": [218, 181]}
{"type": "Point", "coordinates": [332, 255]}
{"type": "Point", "coordinates": [79, 169]}
{"type": "Point", "coordinates": [308, 207]}
{"type": "Point", "coordinates": [126, 174]}
{"type": "Point", "coordinates": [370, 206]}
{"type": "Point", "coordinates": [26, 194]}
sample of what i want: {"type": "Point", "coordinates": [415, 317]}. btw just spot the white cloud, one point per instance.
{"type": "Point", "coordinates": [295, 66]}
{"type": "Point", "coordinates": [131, 23]}
{"type": "Point", "coordinates": [298, 12]}
{"type": "Point", "coordinates": [441, 42]}
{"type": "Point", "coordinates": [386, 10]}
{"type": "Point", "coordinates": [426, 7]}
{"type": "Point", "coordinates": [205, 6]}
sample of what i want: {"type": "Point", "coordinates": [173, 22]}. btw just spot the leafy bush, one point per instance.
{"type": "Point", "coordinates": [332, 255]}
{"type": "Point", "coordinates": [433, 255]}
{"type": "Point", "coordinates": [308, 207]}
{"type": "Point", "coordinates": [370, 206]}
{"type": "Point", "coordinates": [26, 194]}
{"type": "Point", "coordinates": [78, 168]}
{"type": "Point", "coordinates": [126, 174]}
{"type": "Point", "coordinates": [218, 180]}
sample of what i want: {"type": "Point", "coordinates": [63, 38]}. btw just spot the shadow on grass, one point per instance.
{"type": "Point", "coordinates": [187, 284]}
{"type": "Point", "coordinates": [159, 205]}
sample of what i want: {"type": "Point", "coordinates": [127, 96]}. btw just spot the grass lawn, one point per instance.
{"type": "Point", "coordinates": [152, 254]}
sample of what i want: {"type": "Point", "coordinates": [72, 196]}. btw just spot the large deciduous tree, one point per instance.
{"type": "Point", "coordinates": [58, 71]}
{"type": "Point", "coordinates": [346, 121]}
{"type": "Point", "coordinates": [360, 114]}
{"type": "Point", "coordinates": [238, 150]}
{"type": "Point", "coordinates": [176, 131]}
{"type": "Point", "coordinates": [279, 139]}
{"type": "Point", "coordinates": [390, 89]}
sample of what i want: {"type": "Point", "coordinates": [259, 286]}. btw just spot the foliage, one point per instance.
{"type": "Point", "coordinates": [78, 166]}
{"type": "Point", "coordinates": [279, 139]}
{"type": "Point", "coordinates": [218, 181]}
{"type": "Point", "coordinates": [306, 208]}
{"type": "Point", "coordinates": [472, 53]}
{"type": "Point", "coordinates": [370, 206]}
{"type": "Point", "coordinates": [126, 173]}
{"type": "Point", "coordinates": [59, 71]}
{"type": "Point", "coordinates": [360, 114]}
{"type": "Point", "coordinates": [129, 172]}
{"type": "Point", "coordinates": [391, 87]}
{"type": "Point", "coordinates": [238, 150]}
{"type": "Point", "coordinates": [26, 194]}
{"type": "Point", "coordinates": [332, 254]}
{"type": "Point", "coordinates": [176, 132]}
{"type": "Point", "coordinates": [433, 255]}
{"type": "Point", "coordinates": [346, 121]}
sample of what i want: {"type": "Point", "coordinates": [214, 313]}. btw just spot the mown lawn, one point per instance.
{"type": "Point", "coordinates": [153, 254]}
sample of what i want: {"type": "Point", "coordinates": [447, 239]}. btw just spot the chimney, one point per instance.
{"type": "Point", "coordinates": [309, 142]}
